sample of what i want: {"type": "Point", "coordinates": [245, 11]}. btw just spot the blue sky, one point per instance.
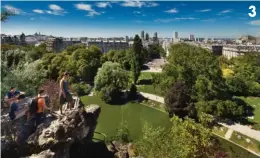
{"type": "Point", "coordinates": [121, 18]}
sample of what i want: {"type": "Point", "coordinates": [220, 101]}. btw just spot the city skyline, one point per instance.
{"type": "Point", "coordinates": [126, 18]}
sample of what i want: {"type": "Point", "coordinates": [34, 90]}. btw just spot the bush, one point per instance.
{"type": "Point", "coordinates": [122, 133]}
{"type": "Point", "coordinates": [220, 108]}
{"type": "Point", "coordinates": [81, 89]}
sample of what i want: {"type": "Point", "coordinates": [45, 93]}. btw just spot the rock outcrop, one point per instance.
{"type": "Point", "coordinates": [57, 136]}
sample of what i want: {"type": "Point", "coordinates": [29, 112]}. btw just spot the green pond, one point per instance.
{"type": "Point", "coordinates": [136, 115]}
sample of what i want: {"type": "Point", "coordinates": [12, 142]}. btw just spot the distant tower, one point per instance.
{"type": "Point", "coordinates": [142, 34]}
{"type": "Point", "coordinates": [147, 37]}
{"type": "Point", "coordinates": [192, 37]}
{"type": "Point", "coordinates": [155, 35]}
{"type": "Point", "coordinates": [126, 38]}
{"type": "Point", "coordinates": [176, 35]}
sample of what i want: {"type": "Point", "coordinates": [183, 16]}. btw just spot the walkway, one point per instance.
{"type": "Point", "coordinates": [236, 127]}
{"type": "Point", "coordinates": [229, 134]}
{"type": "Point", "coordinates": [244, 130]}
{"type": "Point", "coordinates": [153, 97]}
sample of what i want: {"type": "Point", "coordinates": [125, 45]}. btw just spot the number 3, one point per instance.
{"type": "Point", "coordinates": [253, 14]}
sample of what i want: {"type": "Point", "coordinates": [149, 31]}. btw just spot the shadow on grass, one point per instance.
{"type": "Point", "coordinates": [145, 82]}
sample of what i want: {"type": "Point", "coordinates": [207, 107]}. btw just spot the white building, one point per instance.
{"type": "Point", "coordinates": [166, 46]}
{"type": "Point", "coordinates": [234, 51]}
{"type": "Point", "coordinates": [107, 45]}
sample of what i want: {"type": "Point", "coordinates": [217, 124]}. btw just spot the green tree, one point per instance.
{"type": "Point", "coordinates": [86, 62]}
{"type": "Point", "coordinates": [72, 48]}
{"type": "Point", "coordinates": [220, 108]}
{"type": "Point", "coordinates": [120, 56]}
{"type": "Point", "coordinates": [177, 100]}
{"type": "Point", "coordinates": [5, 15]}
{"type": "Point", "coordinates": [185, 138]}
{"type": "Point", "coordinates": [137, 60]}
{"type": "Point", "coordinates": [187, 63]}
{"type": "Point", "coordinates": [110, 80]}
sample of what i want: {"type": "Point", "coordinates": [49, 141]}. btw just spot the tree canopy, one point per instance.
{"type": "Point", "coordinates": [110, 80]}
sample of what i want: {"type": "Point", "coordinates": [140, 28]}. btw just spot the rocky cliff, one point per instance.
{"type": "Point", "coordinates": [59, 136]}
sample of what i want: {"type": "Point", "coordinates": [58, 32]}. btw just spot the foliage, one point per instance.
{"type": "Point", "coordinates": [156, 51]}
{"type": "Point", "coordinates": [81, 88]}
{"type": "Point", "coordinates": [246, 77]}
{"type": "Point", "coordinates": [27, 78]}
{"type": "Point", "coordinates": [37, 52]}
{"type": "Point", "coordinates": [122, 133]}
{"type": "Point", "coordinates": [137, 58]}
{"type": "Point", "coordinates": [184, 139]}
{"type": "Point", "coordinates": [110, 80]}
{"type": "Point", "coordinates": [220, 108]}
{"type": "Point", "coordinates": [187, 63]}
{"type": "Point", "coordinates": [85, 62]}
{"type": "Point", "coordinates": [70, 49]}
{"type": "Point", "coordinates": [119, 56]}
{"type": "Point", "coordinates": [5, 15]}
{"type": "Point", "coordinates": [13, 57]}
{"type": "Point", "coordinates": [177, 99]}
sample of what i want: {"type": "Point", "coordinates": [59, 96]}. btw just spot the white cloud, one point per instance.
{"type": "Point", "coordinates": [38, 11]}
{"type": "Point", "coordinates": [151, 4]}
{"type": "Point", "coordinates": [204, 10]}
{"type": "Point", "coordinates": [93, 13]}
{"type": "Point", "coordinates": [138, 21]}
{"type": "Point", "coordinates": [224, 11]}
{"type": "Point", "coordinates": [103, 4]}
{"type": "Point", "coordinates": [137, 12]}
{"type": "Point", "coordinates": [173, 19]}
{"type": "Point", "coordinates": [174, 10]}
{"type": "Point", "coordinates": [87, 7]}
{"type": "Point", "coordinates": [55, 10]}
{"type": "Point", "coordinates": [55, 7]}
{"type": "Point", "coordinates": [255, 22]}
{"type": "Point", "coordinates": [13, 9]}
{"type": "Point", "coordinates": [209, 20]}
{"type": "Point", "coordinates": [138, 3]}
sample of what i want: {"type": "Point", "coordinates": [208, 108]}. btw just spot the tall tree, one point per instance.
{"type": "Point", "coordinates": [137, 60]}
{"type": "Point", "coordinates": [177, 99]}
{"type": "Point", "coordinates": [110, 80]}
{"type": "Point", "coordinates": [5, 15]}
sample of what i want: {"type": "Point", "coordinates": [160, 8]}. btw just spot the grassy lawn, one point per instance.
{"type": "Point", "coordinates": [220, 130]}
{"type": "Point", "coordinates": [240, 139]}
{"type": "Point", "coordinates": [136, 115]}
{"type": "Point", "coordinates": [145, 76]}
{"type": "Point", "coordinates": [255, 103]}
{"type": "Point", "coordinates": [149, 89]}
{"type": "Point", "coordinates": [235, 151]}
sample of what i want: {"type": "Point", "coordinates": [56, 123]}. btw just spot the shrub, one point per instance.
{"type": "Point", "coordinates": [81, 89]}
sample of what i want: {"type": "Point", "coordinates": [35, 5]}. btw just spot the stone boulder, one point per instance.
{"type": "Point", "coordinates": [55, 135]}
{"type": "Point", "coordinates": [75, 125]}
